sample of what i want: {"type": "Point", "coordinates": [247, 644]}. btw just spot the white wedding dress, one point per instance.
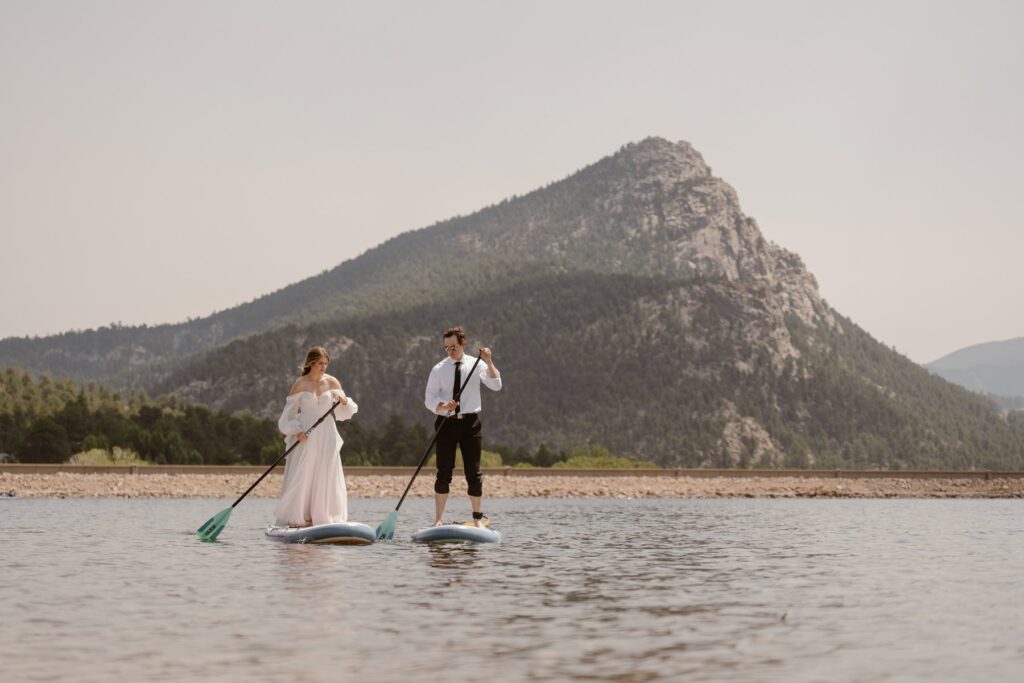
{"type": "Point", "coordinates": [314, 483]}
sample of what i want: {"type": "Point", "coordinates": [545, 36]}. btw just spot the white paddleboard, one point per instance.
{"type": "Point", "coordinates": [345, 533]}
{"type": "Point", "coordinates": [456, 533]}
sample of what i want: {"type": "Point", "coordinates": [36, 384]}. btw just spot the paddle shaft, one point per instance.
{"type": "Point", "coordinates": [290, 448]}
{"type": "Point", "coordinates": [434, 439]}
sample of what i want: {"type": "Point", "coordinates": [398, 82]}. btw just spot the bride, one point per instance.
{"type": "Point", "coordinates": [314, 484]}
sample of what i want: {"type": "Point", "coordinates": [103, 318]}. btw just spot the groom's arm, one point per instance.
{"type": "Point", "coordinates": [489, 376]}
{"type": "Point", "coordinates": [432, 397]}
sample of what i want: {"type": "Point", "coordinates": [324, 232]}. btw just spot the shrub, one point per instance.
{"type": "Point", "coordinates": [595, 456]}
{"type": "Point", "coordinates": [100, 456]}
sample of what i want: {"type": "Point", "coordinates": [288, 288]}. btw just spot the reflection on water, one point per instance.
{"type": "Point", "coordinates": [577, 590]}
{"type": "Point", "coordinates": [453, 557]}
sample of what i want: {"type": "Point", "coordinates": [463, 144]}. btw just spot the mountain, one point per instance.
{"type": "Point", "coordinates": [652, 209]}
{"type": "Point", "coordinates": [631, 304]}
{"type": "Point", "coordinates": [994, 368]}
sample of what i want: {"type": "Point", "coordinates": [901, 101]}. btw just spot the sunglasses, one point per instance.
{"type": "Point", "coordinates": [452, 348]}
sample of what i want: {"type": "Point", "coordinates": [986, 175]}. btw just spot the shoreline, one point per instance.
{"type": "Point", "coordinates": [110, 485]}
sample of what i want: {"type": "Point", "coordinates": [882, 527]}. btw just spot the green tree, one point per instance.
{"type": "Point", "coordinates": [401, 444]}
{"type": "Point", "coordinates": [47, 441]}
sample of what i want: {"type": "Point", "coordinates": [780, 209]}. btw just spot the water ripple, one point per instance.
{"type": "Point", "coordinates": [586, 590]}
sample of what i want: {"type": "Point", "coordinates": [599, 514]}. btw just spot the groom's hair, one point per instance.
{"type": "Point", "coordinates": [457, 332]}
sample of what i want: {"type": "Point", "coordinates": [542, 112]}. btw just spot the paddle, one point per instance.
{"type": "Point", "coordinates": [386, 530]}
{"type": "Point", "coordinates": [211, 530]}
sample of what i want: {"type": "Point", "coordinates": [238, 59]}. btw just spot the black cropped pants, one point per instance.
{"type": "Point", "coordinates": [465, 434]}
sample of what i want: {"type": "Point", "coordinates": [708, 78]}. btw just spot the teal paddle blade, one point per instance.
{"type": "Point", "coordinates": [211, 530]}
{"type": "Point", "coordinates": [386, 530]}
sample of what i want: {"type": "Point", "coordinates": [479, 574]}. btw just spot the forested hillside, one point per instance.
{"type": "Point", "coordinates": [685, 373]}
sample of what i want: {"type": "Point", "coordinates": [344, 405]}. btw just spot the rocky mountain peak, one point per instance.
{"type": "Point", "coordinates": [652, 208]}
{"type": "Point", "coordinates": [657, 158]}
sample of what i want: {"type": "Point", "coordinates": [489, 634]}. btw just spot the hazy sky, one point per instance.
{"type": "Point", "coordinates": [163, 160]}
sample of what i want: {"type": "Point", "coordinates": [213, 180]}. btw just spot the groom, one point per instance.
{"type": "Point", "coordinates": [462, 428]}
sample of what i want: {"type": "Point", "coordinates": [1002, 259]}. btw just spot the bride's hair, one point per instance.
{"type": "Point", "coordinates": [313, 356]}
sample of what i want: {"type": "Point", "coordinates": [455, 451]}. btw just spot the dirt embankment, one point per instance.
{"type": "Point", "coordinates": [80, 485]}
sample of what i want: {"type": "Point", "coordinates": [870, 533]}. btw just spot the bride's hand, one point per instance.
{"type": "Point", "coordinates": [301, 437]}
{"type": "Point", "coordinates": [343, 400]}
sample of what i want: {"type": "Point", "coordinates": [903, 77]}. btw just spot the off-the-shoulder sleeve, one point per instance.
{"type": "Point", "coordinates": [288, 423]}
{"type": "Point", "coordinates": [343, 412]}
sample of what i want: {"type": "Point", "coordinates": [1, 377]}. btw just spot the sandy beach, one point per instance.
{"type": "Point", "coordinates": [108, 485]}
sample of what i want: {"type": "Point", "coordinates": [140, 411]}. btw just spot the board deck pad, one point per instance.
{"type": "Point", "coordinates": [487, 523]}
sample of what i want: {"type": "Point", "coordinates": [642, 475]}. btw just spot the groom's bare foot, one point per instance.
{"type": "Point", "coordinates": [438, 523]}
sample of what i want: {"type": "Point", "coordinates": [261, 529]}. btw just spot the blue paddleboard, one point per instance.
{"type": "Point", "coordinates": [345, 533]}
{"type": "Point", "coordinates": [456, 533]}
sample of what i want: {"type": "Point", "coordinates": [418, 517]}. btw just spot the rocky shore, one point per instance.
{"type": "Point", "coordinates": [79, 485]}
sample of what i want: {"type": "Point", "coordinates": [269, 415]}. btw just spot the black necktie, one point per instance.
{"type": "Point", "coordinates": [457, 390]}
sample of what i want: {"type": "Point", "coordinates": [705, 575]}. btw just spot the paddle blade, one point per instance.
{"type": "Point", "coordinates": [211, 530]}
{"type": "Point", "coordinates": [386, 530]}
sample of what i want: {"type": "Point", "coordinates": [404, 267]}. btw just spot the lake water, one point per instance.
{"type": "Point", "coordinates": [595, 590]}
